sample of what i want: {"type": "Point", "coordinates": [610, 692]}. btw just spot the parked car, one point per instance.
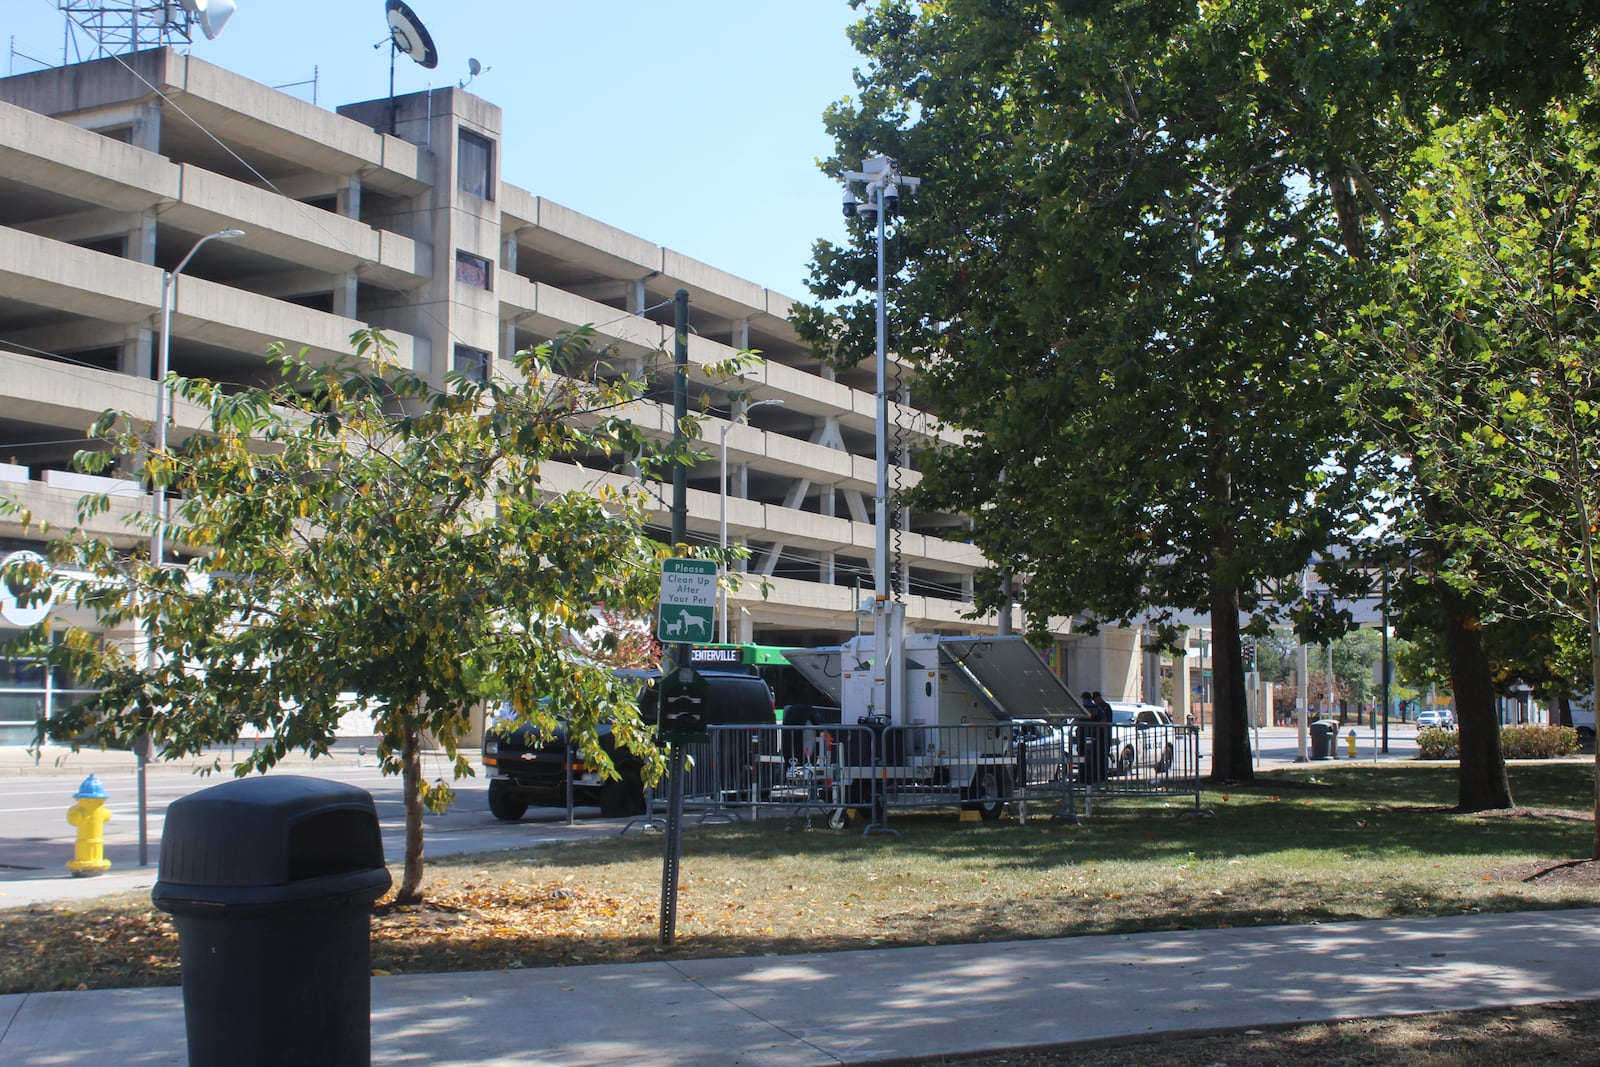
{"type": "Point", "coordinates": [1044, 750]}
{"type": "Point", "coordinates": [1142, 738]}
{"type": "Point", "coordinates": [527, 768]}
{"type": "Point", "coordinates": [1438, 718]}
{"type": "Point", "coordinates": [1583, 720]}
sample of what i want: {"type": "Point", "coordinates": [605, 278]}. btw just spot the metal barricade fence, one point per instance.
{"type": "Point", "coordinates": [1127, 760]}
{"type": "Point", "coordinates": [1048, 767]}
{"type": "Point", "coordinates": [930, 766]}
{"type": "Point", "coordinates": [807, 769]}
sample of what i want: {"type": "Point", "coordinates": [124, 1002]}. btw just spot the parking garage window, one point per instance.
{"type": "Point", "coordinates": [472, 363]}
{"type": "Point", "coordinates": [475, 165]}
{"type": "Point", "coordinates": [472, 270]}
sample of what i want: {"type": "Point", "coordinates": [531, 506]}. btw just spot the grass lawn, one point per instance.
{"type": "Point", "coordinates": [1320, 844]}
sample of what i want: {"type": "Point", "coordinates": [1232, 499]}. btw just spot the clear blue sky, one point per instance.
{"type": "Point", "coordinates": [694, 124]}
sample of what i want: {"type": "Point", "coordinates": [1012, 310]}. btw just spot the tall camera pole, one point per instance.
{"type": "Point", "coordinates": [882, 182]}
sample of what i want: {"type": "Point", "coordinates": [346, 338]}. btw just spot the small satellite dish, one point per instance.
{"type": "Point", "coordinates": [211, 14]}
{"type": "Point", "coordinates": [407, 32]}
{"type": "Point", "coordinates": [474, 68]}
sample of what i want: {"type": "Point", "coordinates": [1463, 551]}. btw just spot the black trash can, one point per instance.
{"type": "Point", "coordinates": [1323, 734]}
{"type": "Point", "coordinates": [270, 882]}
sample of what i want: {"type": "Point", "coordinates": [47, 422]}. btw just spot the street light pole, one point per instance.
{"type": "Point", "coordinates": [158, 502]}
{"type": "Point", "coordinates": [722, 486]}
{"type": "Point", "coordinates": [882, 181]}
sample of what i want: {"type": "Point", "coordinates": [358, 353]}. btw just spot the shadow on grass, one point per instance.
{"type": "Point", "coordinates": [1344, 813]}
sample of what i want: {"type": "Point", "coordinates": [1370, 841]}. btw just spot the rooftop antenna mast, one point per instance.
{"type": "Point", "coordinates": [406, 34]}
{"type": "Point", "coordinates": [121, 26]}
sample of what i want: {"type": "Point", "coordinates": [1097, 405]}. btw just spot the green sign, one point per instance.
{"type": "Point", "coordinates": [688, 609]}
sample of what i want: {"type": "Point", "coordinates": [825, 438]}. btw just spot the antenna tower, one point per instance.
{"type": "Point", "coordinates": [97, 28]}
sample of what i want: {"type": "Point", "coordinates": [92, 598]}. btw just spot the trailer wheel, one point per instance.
{"type": "Point", "coordinates": [987, 794]}
{"type": "Point", "coordinates": [504, 804]}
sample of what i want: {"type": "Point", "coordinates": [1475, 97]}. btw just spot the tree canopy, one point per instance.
{"type": "Point", "coordinates": [1482, 373]}
{"type": "Point", "coordinates": [1128, 234]}
{"type": "Point", "coordinates": [357, 539]}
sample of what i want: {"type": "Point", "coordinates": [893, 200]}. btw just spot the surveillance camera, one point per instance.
{"type": "Point", "coordinates": [849, 203]}
{"type": "Point", "coordinates": [891, 198]}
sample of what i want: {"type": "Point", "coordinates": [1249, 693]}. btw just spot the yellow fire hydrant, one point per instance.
{"type": "Point", "coordinates": [1352, 740]}
{"type": "Point", "coordinates": [89, 815]}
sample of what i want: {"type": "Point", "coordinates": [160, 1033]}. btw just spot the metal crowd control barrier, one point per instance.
{"type": "Point", "coordinates": [1125, 760]}
{"type": "Point", "coordinates": [1038, 767]}
{"type": "Point", "coordinates": [797, 770]}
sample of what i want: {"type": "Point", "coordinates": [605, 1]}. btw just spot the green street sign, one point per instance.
{"type": "Point", "coordinates": [688, 610]}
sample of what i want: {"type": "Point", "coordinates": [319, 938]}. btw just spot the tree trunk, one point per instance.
{"type": "Point", "coordinates": [1230, 738]}
{"type": "Point", "coordinates": [1594, 682]}
{"type": "Point", "coordinates": [1483, 785]}
{"type": "Point", "coordinates": [410, 891]}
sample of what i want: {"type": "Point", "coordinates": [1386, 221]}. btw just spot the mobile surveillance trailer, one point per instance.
{"type": "Point", "coordinates": [948, 733]}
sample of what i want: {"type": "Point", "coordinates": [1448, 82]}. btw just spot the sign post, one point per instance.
{"type": "Point", "coordinates": [680, 591]}
{"type": "Point", "coordinates": [688, 612]}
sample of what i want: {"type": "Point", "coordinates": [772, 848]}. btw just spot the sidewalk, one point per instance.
{"type": "Point", "coordinates": [858, 1007]}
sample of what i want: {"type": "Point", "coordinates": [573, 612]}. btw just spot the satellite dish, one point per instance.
{"type": "Point", "coordinates": [407, 32]}
{"type": "Point", "coordinates": [474, 68]}
{"type": "Point", "coordinates": [214, 15]}
{"type": "Point", "coordinates": [211, 14]}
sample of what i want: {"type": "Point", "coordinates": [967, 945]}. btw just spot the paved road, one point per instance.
{"type": "Point", "coordinates": [36, 839]}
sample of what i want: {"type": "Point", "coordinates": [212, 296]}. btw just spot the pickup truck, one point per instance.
{"type": "Point", "coordinates": [526, 768]}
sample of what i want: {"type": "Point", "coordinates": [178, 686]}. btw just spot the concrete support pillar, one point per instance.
{"type": "Point", "coordinates": [137, 357]}
{"type": "Point", "coordinates": [508, 342]}
{"type": "Point", "coordinates": [1150, 673]}
{"type": "Point", "coordinates": [145, 130]}
{"type": "Point", "coordinates": [508, 253]}
{"type": "Point", "coordinates": [140, 245]}
{"type": "Point", "coordinates": [1180, 686]}
{"type": "Point", "coordinates": [741, 334]}
{"type": "Point", "coordinates": [739, 489]}
{"type": "Point", "coordinates": [345, 287]}
{"type": "Point", "coordinates": [827, 569]}
{"type": "Point", "coordinates": [349, 198]}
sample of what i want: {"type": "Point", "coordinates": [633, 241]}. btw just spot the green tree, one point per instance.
{"type": "Point", "coordinates": [1488, 382]}
{"type": "Point", "coordinates": [355, 534]}
{"type": "Point", "coordinates": [1131, 224]}
{"type": "Point", "coordinates": [1355, 666]}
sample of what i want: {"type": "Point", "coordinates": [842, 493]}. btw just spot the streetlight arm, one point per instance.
{"type": "Point", "coordinates": [158, 504]}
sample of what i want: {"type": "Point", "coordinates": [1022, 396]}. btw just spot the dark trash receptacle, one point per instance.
{"type": "Point", "coordinates": [270, 882]}
{"type": "Point", "coordinates": [1323, 734]}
